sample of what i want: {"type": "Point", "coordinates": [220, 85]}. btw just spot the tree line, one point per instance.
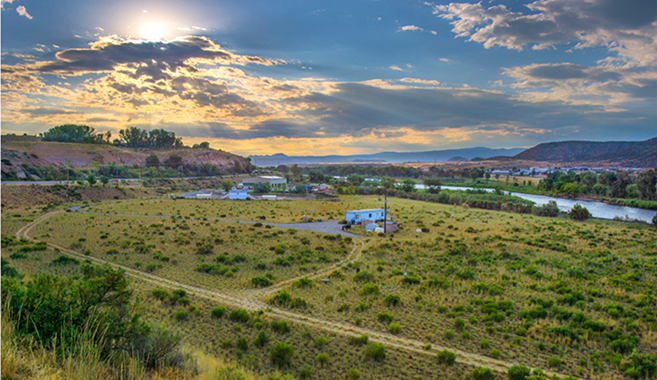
{"type": "Point", "coordinates": [131, 137]}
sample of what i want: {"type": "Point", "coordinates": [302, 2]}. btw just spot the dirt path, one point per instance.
{"type": "Point", "coordinates": [255, 302]}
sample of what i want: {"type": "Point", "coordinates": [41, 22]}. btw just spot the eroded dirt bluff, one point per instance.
{"type": "Point", "coordinates": [17, 153]}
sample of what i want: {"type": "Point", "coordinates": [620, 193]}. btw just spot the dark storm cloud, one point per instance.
{"type": "Point", "coordinates": [47, 111]}
{"type": "Point", "coordinates": [149, 58]}
{"type": "Point", "coordinates": [570, 71]}
{"type": "Point", "coordinates": [358, 109]}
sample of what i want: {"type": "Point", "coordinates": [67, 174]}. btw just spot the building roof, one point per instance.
{"type": "Point", "coordinates": [270, 177]}
{"type": "Point", "coordinates": [369, 210]}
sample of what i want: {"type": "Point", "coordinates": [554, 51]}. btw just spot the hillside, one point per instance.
{"type": "Point", "coordinates": [15, 154]}
{"type": "Point", "coordinates": [394, 157]}
{"type": "Point", "coordinates": [641, 154]}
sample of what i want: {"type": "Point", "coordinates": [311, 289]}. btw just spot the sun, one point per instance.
{"type": "Point", "coordinates": [152, 31]}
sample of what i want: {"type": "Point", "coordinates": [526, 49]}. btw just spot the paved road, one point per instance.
{"type": "Point", "coordinates": [330, 227]}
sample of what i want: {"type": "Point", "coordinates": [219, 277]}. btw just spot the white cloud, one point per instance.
{"type": "Point", "coordinates": [395, 67]}
{"type": "Point", "coordinates": [446, 60]}
{"type": "Point", "coordinates": [3, 2]}
{"type": "Point", "coordinates": [23, 12]}
{"type": "Point", "coordinates": [411, 28]}
{"type": "Point", "coordinates": [420, 81]}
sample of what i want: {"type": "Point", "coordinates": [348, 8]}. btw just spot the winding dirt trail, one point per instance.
{"type": "Point", "coordinates": [255, 300]}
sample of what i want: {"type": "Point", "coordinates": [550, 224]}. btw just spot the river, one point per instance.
{"type": "Point", "coordinates": [597, 209]}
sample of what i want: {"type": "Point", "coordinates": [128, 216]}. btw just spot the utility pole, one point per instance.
{"type": "Point", "coordinates": [385, 213]}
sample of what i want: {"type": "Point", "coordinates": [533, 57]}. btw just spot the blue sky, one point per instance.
{"type": "Point", "coordinates": [327, 77]}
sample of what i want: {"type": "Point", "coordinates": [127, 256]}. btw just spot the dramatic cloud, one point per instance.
{"type": "Point", "coordinates": [142, 58]}
{"type": "Point", "coordinates": [626, 27]}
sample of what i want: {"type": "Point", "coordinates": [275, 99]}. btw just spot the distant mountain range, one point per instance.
{"type": "Point", "coordinates": [396, 157]}
{"type": "Point", "coordinates": [639, 154]}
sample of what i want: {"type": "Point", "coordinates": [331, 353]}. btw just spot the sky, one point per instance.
{"type": "Point", "coordinates": [335, 77]}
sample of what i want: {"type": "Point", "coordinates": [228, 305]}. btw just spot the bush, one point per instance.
{"type": "Point", "coordinates": [364, 276]}
{"type": "Point", "coordinates": [518, 372]}
{"type": "Point", "coordinates": [376, 352]}
{"type": "Point", "coordinates": [411, 280]}
{"type": "Point", "coordinates": [280, 327]}
{"type": "Point", "coordinates": [391, 300]}
{"type": "Point", "coordinates": [99, 299]}
{"type": "Point", "coordinates": [304, 282]}
{"type": "Point", "coordinates": [358, 341]}
{"type": "Point", "coordinates": [239, 315]}
{"type": "Point", "coordinates": [281, 354]}
{"type": "Point", "coordinates": [446, 357]}
{"type": "Point", "coordinates": [482, 373]}
{"type": "Point", "coordinates": [394, 328]}
{"type": "Point", "coordinates": [321, 358]}
{"type": "Point", "coordinates": [385, 317]}
{"type": "Point", "coordinates": [369, 289]}
{"type": "Point", "coordinates": [260, 282]}
{"type": "Point", "coordinates": [181, 315]}
{"type": "Point", "coordinates": [261, 339]}
{"type": "Point", "coordinates": [554, 362]}
{"type": "Point", "coordinates": [281, 298]}
{"type": "Point", "coordinates": [65, 260]}
{"type": "Point", "coordinates": [218, 312]}
{"type": "Point", "coordinates": [353, 373]}
{"type": "Point", "coordinates": [579, 213]}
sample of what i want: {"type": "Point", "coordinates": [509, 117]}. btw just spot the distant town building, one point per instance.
{"type": "Point", "coordinates": [275, 182]}
{"type": "Point", "coordinates": [238, 194]}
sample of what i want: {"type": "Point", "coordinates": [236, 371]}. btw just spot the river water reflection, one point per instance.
{"type": "Point", "coordinates": [597, 209]}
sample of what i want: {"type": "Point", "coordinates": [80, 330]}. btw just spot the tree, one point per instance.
{"type": "Point", "coordinates": [654, 221]}
{"type": "Point", "coordinates": [388, 182]}
{"type": "Point", "coordinates": [518, 372]}
{"type": "Point", "coordinates": [152, 161]}
{"type": "Point", "coordinates": [74, 133]}
{"type": "Point", "coordinates": [407, 185]}
{"type": "Point", "coordinates": [203, 145]}
{"type": "Point", "coordinates": [376, 352]}
{"type": "Point", "coordinates": [482, 373]}
{"type": "Point", "coordinates": [157, 138]}
{"type": "Point", "coordinates": [104, 180]}
{"type": "Point", "coordinates": [262, 187]}
{"type": "Point", "coordinates": [579, 213]}
{"type": "Point", "coordinates": [300, 189]}
{"type": "Point", "coordinates": [432, 185]}
{"type": "Point", "coordinates": [281, 355]}
{"type": "Point", "coordinates": [227, 185]}
{"type": "Point", "coordinates": [296, 170]}
{"type": "Point", "coordinates": [91, 179]}
{"type": "Point", "coordinates": [316, 176]}
{"type": "Point", "coordinates": [174, 161]}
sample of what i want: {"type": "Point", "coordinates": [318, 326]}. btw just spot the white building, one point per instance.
{"type": "Point", "coordinates": [355, 216]}
{"type": "Point", "coordinates": [237, 194]}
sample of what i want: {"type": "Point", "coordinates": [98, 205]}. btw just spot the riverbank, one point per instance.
{"type": "Point", "coordinates": [532, 189]}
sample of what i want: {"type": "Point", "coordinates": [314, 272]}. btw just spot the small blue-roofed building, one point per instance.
{"type": "Point", "coordinates": [356, 216]}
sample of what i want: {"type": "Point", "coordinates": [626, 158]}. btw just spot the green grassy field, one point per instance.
{"type": "Point", "coordinates": [575, 298]}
